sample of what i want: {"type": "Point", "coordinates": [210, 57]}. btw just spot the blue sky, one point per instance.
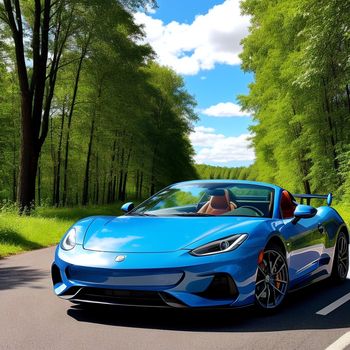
{"type": "Point", "coordinates": [183, 11]}
{"type": "Point", "coordinates": [200, 39]}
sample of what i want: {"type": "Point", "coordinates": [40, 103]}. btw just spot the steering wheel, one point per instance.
{"type": "Point", "coordinates": [258, 211]}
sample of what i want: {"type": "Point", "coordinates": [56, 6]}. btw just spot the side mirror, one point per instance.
{"type": "Point", "coordinates": [127, 207]}
{"type": "Point", "coordinates": [303, 212]}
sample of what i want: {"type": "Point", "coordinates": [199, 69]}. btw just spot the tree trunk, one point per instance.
{"type": "Point", "coordinates": [29, 156]}
{"type": "Point", "coordinates": [34, 111]}
{"type": "Point", "coordinates": [153, 171]}
{"type": "Point", "coordinates": [14, 144]}
{"type": "Point", "coordinates": [59, 160]}
{"type": "Point", "coordinates": [70, 116]}
{"type": "Point", "coordinates": [114, 188]}
{"type": "Point", "coordinates": [104, 189]}
{"type": "Point", "coordinates": [348, 96]}
{"type": "Point", "coordinates": [123, 191]}
{"type": "Point", "coordinates": [14, 168]}
{"type": "Point", "coordinates": [97, 193]}
{"type": "Point", "coordinates": [111, 182]}
{"type": "Point", "coordinates": [120, 185]}
{"type": "Point", "coordinates": [137, 181]}
{"type": "Point", "coordinates": [53, 158]}
{"type": "Point", "coordinates": [140, 185]}
{"type": "Point", "coordinates": [27, 175]}
{"type": "Point", "coordinates": [39, 182]}
{"type": "Point", "coordinates": [85, 196]}
{"type": "Point", "coordinates": [121, 176]}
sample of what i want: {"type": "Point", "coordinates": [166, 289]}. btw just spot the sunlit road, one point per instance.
{"type": "Point", "coordinates": [31, 317]}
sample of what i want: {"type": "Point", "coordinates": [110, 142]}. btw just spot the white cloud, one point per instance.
{"type": "Point", "coordinates": [225, 109]}
{"type": "Point", "coordinates": [205, 137]}
{"type": "Point", "coordinates": [210, 39]}
{"type": "Point", "coordinates": [219, 148]}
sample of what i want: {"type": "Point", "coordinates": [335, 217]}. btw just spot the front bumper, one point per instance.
{"type": "Point", "coordinates": [175, 279]}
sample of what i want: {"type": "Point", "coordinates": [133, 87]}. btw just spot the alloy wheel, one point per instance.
{"type": "Point", "coordinates": [343, 256]}
{"type": "Point", "coordinates": [272, 280]}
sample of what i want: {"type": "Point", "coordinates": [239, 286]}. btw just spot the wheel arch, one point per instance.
{"type": "Point", "coordinates": [277, 240]}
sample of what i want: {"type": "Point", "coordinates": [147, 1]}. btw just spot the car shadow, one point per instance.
{"type": "Point", "coordinates": [17, 276]}
{"type": "Point", "coordinates": [298, 312]}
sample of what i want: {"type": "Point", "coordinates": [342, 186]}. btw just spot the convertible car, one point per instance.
{"type": "Point", "coordinates": [215, 243]}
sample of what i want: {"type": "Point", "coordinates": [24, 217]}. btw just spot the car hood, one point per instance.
{"type": "Point", "coordinates": [128, 234]}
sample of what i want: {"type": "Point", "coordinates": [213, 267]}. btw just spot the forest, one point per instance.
{"type": "Point", "coordinates": [299, 53]}
{"type": "Point", "coordinates": [86, 113]}
{"type": "Point", "coordinates": [88, 117]}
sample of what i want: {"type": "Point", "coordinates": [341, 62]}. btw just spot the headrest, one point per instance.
{"type": "Point", "coordinates": [220, 199]}
{"type": "Point", "coordinates": [286, 200]}
{"type": "Point", "coordinates": [217, 192]}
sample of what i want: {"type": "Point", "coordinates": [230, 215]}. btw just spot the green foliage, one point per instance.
{"type": "Point", "coordinates": [300, 100]}
{"type": "Point", "coordinates": [119, 123]}
{"type": "Point", "coordinates": [207, 172]}
{"type": "Point", "coordinates": [135, 4]}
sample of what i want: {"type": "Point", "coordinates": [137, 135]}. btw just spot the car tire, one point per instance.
{"type": "Point", "coordinates": [272, 280]}
{"type": "Point", "coordinates": [340, 267]}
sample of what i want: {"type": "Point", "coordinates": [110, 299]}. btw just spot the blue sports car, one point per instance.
{"type": "Point", "coordinates": [215, 243]}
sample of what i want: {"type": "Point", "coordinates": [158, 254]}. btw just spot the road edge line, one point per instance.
{"type": "Point", "coordinates": [341, 343]}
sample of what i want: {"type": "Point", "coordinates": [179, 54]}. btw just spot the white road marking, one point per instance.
{"type": "Point", "coordinates": [340, 344]}
{"type": "Point", "coordinates": [331, 307]}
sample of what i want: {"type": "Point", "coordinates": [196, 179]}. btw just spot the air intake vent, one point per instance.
{"type": "Point", "coordinates": [121, 297]}
{"type": "Point", "coordinates": [221, 287]}
{"type": "Point", "coordinates": [55, 274]}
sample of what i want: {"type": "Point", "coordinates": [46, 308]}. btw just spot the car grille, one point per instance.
{"type": "Point", "coordinates": [121, 297]}
{"type": "Point", "coordinates": [122, 278]}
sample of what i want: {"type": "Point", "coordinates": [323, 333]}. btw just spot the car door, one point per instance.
{"type": "Point", "coordinates": [305, 243]}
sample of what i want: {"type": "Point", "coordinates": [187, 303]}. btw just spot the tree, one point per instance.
{"type": "Point", "coordinates": [48, 26]}
{"type": "Point", "coordinates": [298, 52]}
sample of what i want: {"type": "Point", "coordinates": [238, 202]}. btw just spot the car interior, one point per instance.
{"type": "Point", "coordinates": [224, 202]}
{"type": "Point", "coordinates": [250, 201]}
{"type": "Point", "coordinates": [219, 203]}
{"type": "Point", "coordinates": [288, 205]}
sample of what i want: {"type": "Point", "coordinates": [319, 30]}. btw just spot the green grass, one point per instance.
{"type": "Point", "coordinates": [77, 213]}
{"type": "Point", "coordinates": [47, 225]}
{"type": "Point", "coordinates": [44, 228]}
{"type": "Point", "coordinates": [344, 211]}
{"type": "Point", "coordinates": [18, 234]}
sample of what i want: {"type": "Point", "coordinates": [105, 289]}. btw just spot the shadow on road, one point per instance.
{"type": "Point", "coordinates": [17, 276]}
{"type": "Point", "coordinates": [297, 313]}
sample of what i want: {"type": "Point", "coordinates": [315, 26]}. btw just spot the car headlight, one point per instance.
{"type": "Point", "coordinates": [220, 246]}
{"type": "Point", "coordinates": [69, 241]}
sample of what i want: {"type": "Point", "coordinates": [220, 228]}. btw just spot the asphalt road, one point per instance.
{"type": "Point", "coordinates": [32, 317]}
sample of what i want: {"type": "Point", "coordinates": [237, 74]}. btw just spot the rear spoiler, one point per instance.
{"type": "Point", "coordinates": [328, 197]}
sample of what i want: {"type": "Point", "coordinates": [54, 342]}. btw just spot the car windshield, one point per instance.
{"type": "Point", "coordinates": [209, 199]}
